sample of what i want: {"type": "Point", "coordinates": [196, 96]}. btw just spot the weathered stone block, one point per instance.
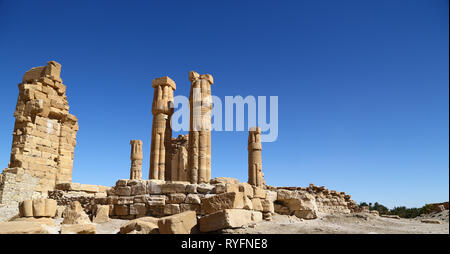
{"type": "Point", "coordinates": [122, 183]}
{"type": "Point", "coordinates": [193, 199]}
{"type": "Point", "coordinates": [183, 223]}
{"type": "Point", "coordinates": [144, 225]}
{"type": "Point", "coordinates": [176, 198]}
{"type": "Point", "coordinates": [173, 188]}
{"type": "Point", "coordinates": [267, 206]}
{"type": "Point", "coordinates": [259, 192]}
{"type": "Point", "coordinates": [229, 218]}
{"type": "Point", "coordinates": [21, 227]}
{"type": "Point", "coordinates": [171, 209]}
{"type": "Point", "coordinates": [205, 188]}
{"type": "Point", "coordinates": [154, 186]}
{"type": "Point", "coordinates": [78, 229]}
{"type": "Point", "coordinates": [121, 210]}
{"type": "Point", "coordinates": [224, 180]}
{"type": "Point", "coordinates": [256, 202]}
{"type": "Point", "coordinates": [124, 200]}
{"type": "Point", "coordinates": [191, 188]}
{"type": "Point", "coordinates": [223, 201]}
{"type": "Point", "coordinates": [138, 209]}
{"type": "Point", "coordinates": [190, 207]}
{"type": "Point", "coordinates": [138, 189]}
{"type": "Point", "coordinates": [156, 200]}
{"type": "Point", "coordinates": [123, 191]}
{"type": "Point", "coordinates": [101, 214]}
{"type": "Point", "coordinates": [141, 199]}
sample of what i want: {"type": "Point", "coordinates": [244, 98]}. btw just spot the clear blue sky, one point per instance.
{"type": "Point", "coordinates": [363, 86]}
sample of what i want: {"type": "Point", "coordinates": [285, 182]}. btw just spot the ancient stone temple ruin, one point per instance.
{"type": "Point", "coordinates": [178, 197]}
{"type": "Point", "coordinates": [199, 153]}
{"type": "Point", "coordinates": [136, 160]}
{"type": "Point", "coordinates": [255, 175]}
{"type": "Point", "coordinates": [162, 110]}
{"type": "Point", "coordinates": [44, 136]}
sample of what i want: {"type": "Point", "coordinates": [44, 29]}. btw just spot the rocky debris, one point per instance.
{"type": "Point", "coordinates": [23, 227]}
{"type": "Point", "coordinates": [78, 229]}
{"type": "Point", "coordinates": [390, 216]}
{"type": "Point", "coordinates": [74, 214]}
{"type": "Point", "coordinates": [431, 221]}
{"type": "Point", "coordinates": [229, 218]}
{"type": "Point", "coordinates": [144, 225]}
{"type": "Point", "coordinates": [298, 203]}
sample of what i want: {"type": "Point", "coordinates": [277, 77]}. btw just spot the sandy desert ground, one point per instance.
{"type": "Point", "coordinates": [359, 223]}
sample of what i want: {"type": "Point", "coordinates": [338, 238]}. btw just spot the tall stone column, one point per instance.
{"type": "Point", "coordinates": [162, 110]}
{"type": "Point", "coordinates": [199, 149]}
{"type": "Point", "coordinates": [255, 175]}
{"type": "Point", "coordinates": [136, 160]}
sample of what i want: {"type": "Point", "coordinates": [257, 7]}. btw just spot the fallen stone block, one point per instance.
{"type": "Point", "coordinates": [78, 229]}
{"type": "Point", "coordinates": [431, 221]}
{"type": "Point", "coordinates": [46, 221]}
{"type": "Point", "coordinates": [229, 218]}
{"type": "Point", "coordinates": [74, 214]}
{"type": "Point", "coordinates": [143, 225]}
{"type": "Point", "coordinates": [22, 227]}
{"type": "Point", "coordinates": [101, 214]}
{"type": "Point", "coordinates": [182, 223]}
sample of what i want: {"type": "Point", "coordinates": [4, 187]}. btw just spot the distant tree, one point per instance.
{"type": "Point", "coordinates": [380, 208]}
{"type": "Point", "coordinates": [363, 204]}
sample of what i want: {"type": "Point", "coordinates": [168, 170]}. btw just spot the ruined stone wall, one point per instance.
{"type": "Point", "coordinates": [17, 185]}
{"type": "Point", "coordinates": [318, 198]}
{"type": "Point", "coordinates": [44, 136]}
{"type": "Point", "coordinates": [130, 199]}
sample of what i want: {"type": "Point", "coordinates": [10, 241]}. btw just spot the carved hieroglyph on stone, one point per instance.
{"type": "Point", "coordinates": [199, 151]}
{"type": "Point", "coordinates": [44, 136]}
{"type": "Point", "coordinates": [136, 160]}
{"type": "Point", "coordinates": [162, 110]}
{"type": "Point", "coordinates": [255, 175]}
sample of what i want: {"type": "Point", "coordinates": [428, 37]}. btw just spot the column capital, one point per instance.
{"type": "Point", "coordinates": [164, 81]}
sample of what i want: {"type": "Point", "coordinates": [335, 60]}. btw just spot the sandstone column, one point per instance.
{"type": "Point", "coordinates": [162, 110]}
{"type": "Point", "coordinates": [255, 175]}
{"type": "Point", "coordinates": [136, 160]}
{"type": "Point", "coordinates": [199, 149]}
